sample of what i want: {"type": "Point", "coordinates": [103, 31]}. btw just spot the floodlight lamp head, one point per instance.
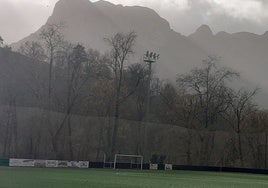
{"type": "Point", "coordinates": [150, 57]}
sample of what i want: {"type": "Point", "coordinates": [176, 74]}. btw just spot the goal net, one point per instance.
{"type": "Point", "coordinates": [129, 161]}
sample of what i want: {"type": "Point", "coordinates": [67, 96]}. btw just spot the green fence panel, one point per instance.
{"type": "Point", "coordinates": [4, 162]}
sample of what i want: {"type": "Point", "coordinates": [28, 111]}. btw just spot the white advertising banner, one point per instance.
{"type": "Point", "coordinates": [153, 166]}
{"type": "Point", "coordinates": [15, 162]}
{"type": "Point", "coordinates": [83, 164]}
{"type": "Point", "coordinates": [47, 163]}
{"type": "Point", "coordinates": [21, 162]}
{"type": "Point", "coordinates": [62, 164]}
{"type": "Point", "coordinates": [40, 163]}
{"type": "Point", "coordinates": [73, 164]}
{"type": "Point", "coordinates": [168, 166]}
{"type": "Point", "coordinates": [51, 163]}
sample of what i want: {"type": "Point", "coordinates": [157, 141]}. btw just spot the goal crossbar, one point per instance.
{"type": "Point", "coordinates": [123, 155]}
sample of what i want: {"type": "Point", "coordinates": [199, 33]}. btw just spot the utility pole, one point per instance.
{"type": "Point", "coordinates": [150, 58]}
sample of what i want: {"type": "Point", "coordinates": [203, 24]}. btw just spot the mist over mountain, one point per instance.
{"type": "Point", "coordinates": [89, 23]}
{"type": "Point", "coordinates": [244, 52]}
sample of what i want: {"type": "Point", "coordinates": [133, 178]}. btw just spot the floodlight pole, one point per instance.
{"type": "Point", "coordinates": [149, 58]}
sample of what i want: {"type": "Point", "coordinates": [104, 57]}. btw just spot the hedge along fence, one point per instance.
{"type": "Point", "coordinates": [4, 162]}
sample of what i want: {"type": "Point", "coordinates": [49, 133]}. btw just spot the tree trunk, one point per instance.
{"type": "Point", "coordinates": [201, 150]}
{"type": "Point", "coordinates": [15, 128]}
{"type": "Point", "coordinates": [70, 143]}
{"type": "Point", "coordinates": [108, 140]}
{"type": "Point", "coordinates": [240, 150]}
{"type": "Point", "coordinates": [265, 150]}
{"type": "Point", "coordinates": [54, 141]}
{"type": "Point", "coordinates": [99, 142]}
{"type": "Point", "coordinates": [139, 131]}
{"type": "Point", "coordinates": [115, 130]}
{"type": "Point", "coordinates": [210, 146]}
{"type": "Point", "coordinates": [188, 148]}
{"type": "Point", "coordinates": [50, 74]}
{"type": "Point", "coordinates": [6, 140]}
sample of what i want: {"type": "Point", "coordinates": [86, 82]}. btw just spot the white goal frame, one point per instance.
{"type": "Point", "coordinates": [105, 163]}
{"type": "Point", "coordinates": [132, 156]}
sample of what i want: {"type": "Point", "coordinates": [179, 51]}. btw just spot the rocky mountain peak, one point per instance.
{"type": "Point", "coordinates": [204, 29]}
{"type": "Point", "coordinates": [73, 2]}
{"type": "Point", "coordinates": [69, 9]}
{"type": "Point", "coordinates": [104, 3]}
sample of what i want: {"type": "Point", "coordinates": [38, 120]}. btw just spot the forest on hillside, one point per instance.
{"type": "Point", "coordinates": [63, 101]}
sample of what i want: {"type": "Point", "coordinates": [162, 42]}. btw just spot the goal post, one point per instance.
{"type": "Point", "coordinates": [140, 157]}
{"type": "Point", "coordinates": [107, 164]}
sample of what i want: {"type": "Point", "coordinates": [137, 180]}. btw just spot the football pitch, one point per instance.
{"type": "Point", "coordinates": [95, 178]}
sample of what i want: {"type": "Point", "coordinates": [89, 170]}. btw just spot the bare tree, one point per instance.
{"type": "Point", "coordinates": [101, 98]}
{"type": "Point", "coordinates": [33, 50]}
{"type": "Point", "coordinates": [102, 103]}
{"type": "Point", "coordinates": [74, 58]}
{"type": "Point", "coordinates": [258, 123]}
{"type": "Point", "coordinates": [75, 84]}
{"type": "Point", "coordinates": [52, 37]}
{"type": "Point", "coordinates": [121, 47]}
{"type": "Point", "coordinates": [240, 108]}
{"type": "Point", "coordinates": [10, 148]}
{"type": "Point", "coordinates": [181, 110]}
{"type": "Point", "coordinates": [208, 86]}
{"type": "Point", "coordinates": [136, 83]}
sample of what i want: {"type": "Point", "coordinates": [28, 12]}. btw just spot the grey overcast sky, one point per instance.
{"type": "Point", "coordinates": [19, 18]}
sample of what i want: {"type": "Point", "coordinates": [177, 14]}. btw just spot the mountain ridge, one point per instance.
{"type": "Point", "coordinates": [88, 23]}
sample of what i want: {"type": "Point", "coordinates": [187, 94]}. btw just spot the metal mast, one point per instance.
{"type": "Point", "coordinates": [150, 58]}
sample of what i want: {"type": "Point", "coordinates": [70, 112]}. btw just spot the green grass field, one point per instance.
{"type": "Point", "coordinates": [76, 178]}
